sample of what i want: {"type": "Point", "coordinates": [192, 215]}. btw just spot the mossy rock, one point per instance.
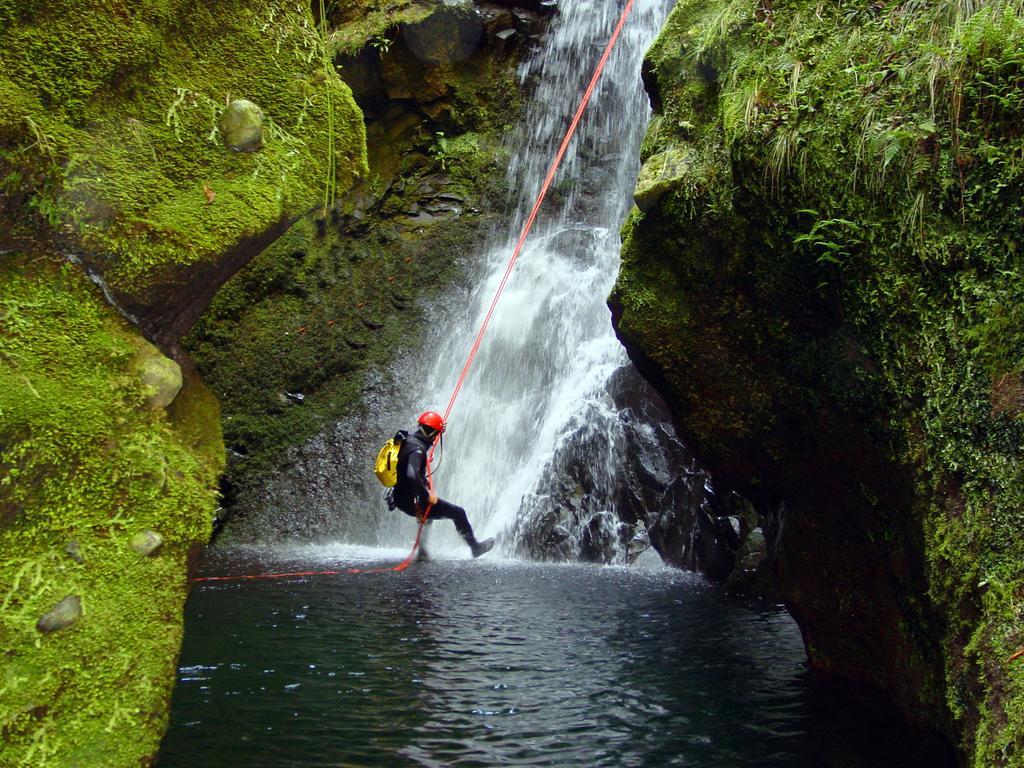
{"type": "Point", "coordinates": [112, 124]}
{"type": "Point", "coordinates": [446, 37]}
{"type": "Point", "coordinates": [661, 174]}
{"type": "Point", "coordinates": [160, 376]}
{"type": "Point", "coordinates": [146, 543]}
{"type": "Point", "coordinates": [241, 126]}
{"type": "Point", "coordinates": [338, 297]}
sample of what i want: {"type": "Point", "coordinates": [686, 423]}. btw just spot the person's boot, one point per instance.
{"type": "Point", "coordinates": [481, 547]}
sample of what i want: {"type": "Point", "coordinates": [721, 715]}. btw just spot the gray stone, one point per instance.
{"type": "Point", "coordinates": [61, 616]}
{"type": "Point", "coordinates": [241, 126]}
{"type": "Point", "coordinates": [495, 17]}
{"type": "Point", "coordinates": [146, 542]}
{"type": "Point", "coordinates": [74, 551]}
{"type": "Point", "coordinates": [419, 220]}
{"type": "Point", "coordinates": [446, 37]}
{"type": "Point", "coordinates": [661, 173]}
{"type": "Point", "coordinates": [443, 210]}
{"type": "Point", "coordinates": [750, 576]}
{"type": "Point", "coordinates": [640, 543]}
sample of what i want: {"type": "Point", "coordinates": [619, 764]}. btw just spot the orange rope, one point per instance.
{"type": "Point", "coordinates": [540, 199]}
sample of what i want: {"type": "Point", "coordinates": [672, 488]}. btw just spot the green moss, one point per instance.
{"type": "Point", "coordinates": [354, 24]}
{"type": "Point", "coordinates": [85, 460]}
{"type": "Point", "coordinates": [118, 107]}
{"type": "Point", "coordinates": [853, 232]}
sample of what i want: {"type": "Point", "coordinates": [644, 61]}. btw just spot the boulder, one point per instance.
{"type": "Point", "coordinates": [752, 551]}
{"type": "Point", "coordinates": [160, 377]}
{"type": "Point", "coordinates": [661, 173]}
{"type": "Point", "coordinates": [447, 37]}
{"type": "Point", "coordinates": [715, 545]}
{"type": "Point", "coordinates": [241, 126]}
{"type": "Point", "coordinates": [61, 616]}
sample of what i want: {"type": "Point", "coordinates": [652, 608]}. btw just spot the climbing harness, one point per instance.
{"type": "Point", "coordinates": [548, 179]}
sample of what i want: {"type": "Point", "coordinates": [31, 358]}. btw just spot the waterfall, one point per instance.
{"type": "Point", "coordinates": [538, 440]}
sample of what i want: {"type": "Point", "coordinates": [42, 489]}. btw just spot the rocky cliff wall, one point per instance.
{"type": "Point", "coordinates": [824, 279]}
{"type": "Point", "coordinates": [110, 462]}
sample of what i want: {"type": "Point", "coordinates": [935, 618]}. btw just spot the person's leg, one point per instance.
{"type": "Point", "coordinates": [412, 510]}
{"type": "Point", "coordinates": [445, 510]}
{"type": "Point", "coordinates": [409, 509]}
{"type": "Point", "coordinates": [423, 556]}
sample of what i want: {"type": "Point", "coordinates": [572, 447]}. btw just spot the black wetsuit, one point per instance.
{"type": "Point", "coordinates": [412, 494]}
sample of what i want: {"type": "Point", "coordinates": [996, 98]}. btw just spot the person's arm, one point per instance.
{"type": "Point", "coordinates": [416, 477]}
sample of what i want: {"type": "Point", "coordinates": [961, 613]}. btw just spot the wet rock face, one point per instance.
{"type": "Point", "coordinates": [316, 479]}
{"type": "Point", "coordinates": [358, 280]}
{"type": "Point", "coordinates": [807, 373]}
{"type": "Point", "coordinates": [340, 297]}
{"type": "Point", "coordinates": [445, 38]}
{"type": "Point", "coordinates": [664, 487]}
{"type": "Point", "coordinates": [654, 494]}
{"type": "Point", "coordinates": [756, 426]}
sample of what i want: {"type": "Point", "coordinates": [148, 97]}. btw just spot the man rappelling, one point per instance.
{"type": "Point", "coordinates": [412, 493]}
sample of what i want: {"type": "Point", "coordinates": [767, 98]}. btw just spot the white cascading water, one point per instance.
{"type": "Point", "coordinates": [543, 370]}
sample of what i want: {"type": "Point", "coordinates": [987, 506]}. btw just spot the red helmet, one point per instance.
{"type": "Point", "coordinates": [433, 420]}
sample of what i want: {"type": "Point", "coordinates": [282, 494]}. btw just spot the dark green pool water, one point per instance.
{"type": "Point", "coordinates": [494, 663]}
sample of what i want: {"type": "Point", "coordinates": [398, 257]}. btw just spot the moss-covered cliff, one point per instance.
{"type": "Point", "coordinates": [114, 156]}
{"type": "Point", "coordinates": [826, 283]}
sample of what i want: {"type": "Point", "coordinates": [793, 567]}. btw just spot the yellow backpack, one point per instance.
{"type": "Point", "coordinates": [386, 467]}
